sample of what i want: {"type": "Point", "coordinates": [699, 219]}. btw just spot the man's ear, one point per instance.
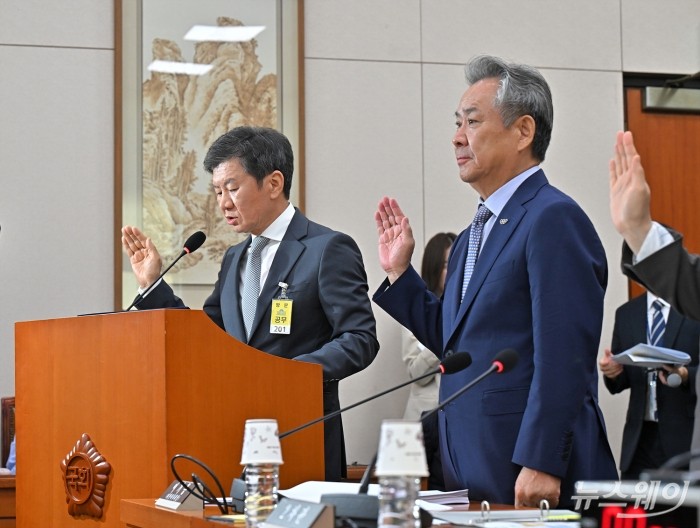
{"type": "Point", "coordinates": [525, 125]}
{"type": "Point", "coordinates": [275, 183]}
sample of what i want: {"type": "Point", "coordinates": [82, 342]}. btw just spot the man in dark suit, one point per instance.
{"type": "Point", "coordinates": [318, 269]}
{"type": "Point", "coordinates": [537, 286]}
{"type": "Point", "coordinates": [659, 417]}
{"type": "Point", "coordinates": [652, 254]}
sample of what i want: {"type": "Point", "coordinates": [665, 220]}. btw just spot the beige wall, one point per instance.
{"type": "Point", "coordinates": [383, 78]}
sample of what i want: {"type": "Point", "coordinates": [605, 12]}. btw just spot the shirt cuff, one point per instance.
{"type": "Point", "coordinates": [657, 238]}
{"type": "Point", "coordinates": [150, 288]}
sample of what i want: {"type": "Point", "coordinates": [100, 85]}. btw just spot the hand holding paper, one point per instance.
{"type": "Point", "coordinates": [649, 356]}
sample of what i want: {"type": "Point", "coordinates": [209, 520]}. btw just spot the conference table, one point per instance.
{"type": "Point", "coordinates": [143, 513]}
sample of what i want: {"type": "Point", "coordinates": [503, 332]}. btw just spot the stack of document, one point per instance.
{"type": "Point", "coordinates": [443, 500]}
{"type": "Point", "coordinates": [648, 356]}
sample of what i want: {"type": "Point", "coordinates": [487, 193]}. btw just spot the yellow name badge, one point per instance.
{"type": "Point", "coordinates": [281, 320]}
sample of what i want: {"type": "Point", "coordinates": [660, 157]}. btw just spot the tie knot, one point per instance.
{"type": "Point", "coordinates": [657, 306]}
{"type": "Point", "coordinates": [482, 214]}
{"type": "Point", "coordinates": [258, 243]}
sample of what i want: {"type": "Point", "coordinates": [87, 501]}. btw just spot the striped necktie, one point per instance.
{"type": "Point", "coordinates": [655, 332]}
{"type": "Point", "coordinates": [475, 233]}
{"type": "Point", "coordinates": [655, 335]}
{"type": "Point", "coordinates": [251, 282]}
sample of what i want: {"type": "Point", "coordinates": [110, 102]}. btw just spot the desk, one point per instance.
{"type": "Point", "coordinates": [7, 502]}
{"type": "Point", "coordinates": [142, 513]}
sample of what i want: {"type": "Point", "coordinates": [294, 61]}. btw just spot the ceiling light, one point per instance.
{"type": "Point", "coordinates": [223, 33]}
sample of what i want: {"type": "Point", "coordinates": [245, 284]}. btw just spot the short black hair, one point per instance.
{"type": "Point", "coordinates": [260, 150]}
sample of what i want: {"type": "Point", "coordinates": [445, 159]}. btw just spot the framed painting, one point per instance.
{"type": "Point", "coordinates": [185, 73]}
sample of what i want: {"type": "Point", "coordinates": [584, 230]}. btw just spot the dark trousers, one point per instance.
{"type": "Point", "coordinates": [432, 452]}
{"type": "Point", "coordinates": [649, 453]}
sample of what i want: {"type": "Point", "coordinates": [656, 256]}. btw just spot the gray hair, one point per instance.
{"type": "Point", "coordinates": [522, 91]}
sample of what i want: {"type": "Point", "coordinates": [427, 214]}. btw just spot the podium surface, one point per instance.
{"type": "Point", "coordinates": [145, 386]}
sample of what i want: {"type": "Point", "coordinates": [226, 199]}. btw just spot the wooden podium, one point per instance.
{"type": "Point", "coordinates": [145, 386]}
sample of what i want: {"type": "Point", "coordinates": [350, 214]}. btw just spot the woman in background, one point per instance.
{"type": "Point", "coordinates": [419, 360]}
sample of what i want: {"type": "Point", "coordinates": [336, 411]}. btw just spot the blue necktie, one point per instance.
{"type": "Point", "coordinates": [655, 332]}
{"type": "Point", "coordinates": [655, 335]}
{"type": "Point", "coordinates": [477, 229]}
{"type": "Point", "coordinates": [251, 282]}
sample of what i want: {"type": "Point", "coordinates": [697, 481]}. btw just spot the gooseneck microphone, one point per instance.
{"type": "Point", "coordinates": [452, 363]}
{"type": "Point", "coordinates": [192, 244]}
{"type": "Point", "coordinates": [504, 361]}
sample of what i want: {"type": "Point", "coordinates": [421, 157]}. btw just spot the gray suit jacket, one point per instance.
{"type": "Point", "coordinates": [332, 320]}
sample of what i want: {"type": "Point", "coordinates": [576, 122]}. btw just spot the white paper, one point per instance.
{"type": "Point", "coordinates": [642, 355]}
{"type": "Point", "coordinates": [312, 490]}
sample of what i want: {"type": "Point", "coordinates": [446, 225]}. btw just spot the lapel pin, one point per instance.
{"type": "Point", "coordinates": [503, 221]}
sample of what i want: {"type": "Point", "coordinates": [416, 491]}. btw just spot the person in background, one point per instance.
{"type": "Point", "coordinates": [419, 360]}
{"type": "Point", "coordinates": [11, 464]}
{"type": "Point", "coordinates": [652, 254]}
{"type": "Point", "coordinates": [529, 274]}
{"type": "Point", "coordinates": [286, 256]}
{"type": "Point", "coordinates": [659, 420]}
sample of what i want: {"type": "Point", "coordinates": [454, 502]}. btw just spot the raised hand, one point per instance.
{"type": "Point", "coordinates": [629, 193]}
{"type": "Point", "coordinates": [396, 242]}
{"type": "Point", "coordinates": [143, 255]}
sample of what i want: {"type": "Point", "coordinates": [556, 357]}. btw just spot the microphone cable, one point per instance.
{"type": "Point", "coordinates": [200, 489]}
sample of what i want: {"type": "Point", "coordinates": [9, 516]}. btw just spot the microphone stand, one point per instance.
{"type": "Point", "coordinates": [339, 411]}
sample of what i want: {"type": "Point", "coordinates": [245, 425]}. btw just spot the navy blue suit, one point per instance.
{"type": "Point", "coordinates": [537, 287]}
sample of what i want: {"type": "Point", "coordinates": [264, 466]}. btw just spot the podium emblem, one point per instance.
{"type": "Point", "coordinates": [85, 477]}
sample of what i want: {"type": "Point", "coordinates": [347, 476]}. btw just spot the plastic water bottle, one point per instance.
{"type": "Point", "coordinates": [397, 502]}
{"type": "Point", "coordinates": [261, 485]}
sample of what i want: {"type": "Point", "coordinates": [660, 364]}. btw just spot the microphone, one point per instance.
{"type": "Point", "coordinates": [673, 380]}
{"type": "Point", "coordinates": [454, 362]}
{"type": "Point", "coordinates": [192, 244]}
{"type": "Point", "coordinates": [451, 364]}
{"type": "Point", "coordinates": [504, 361]}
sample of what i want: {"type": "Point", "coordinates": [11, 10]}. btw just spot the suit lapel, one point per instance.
{"type": "Point", "coordinates": [638, 324]}
{"type": "Point", "coordinates": [453, 282]}
{"type": "Point", "coordinates": [231, 293]}
{"type": "Point", "coordinates": [512, 214]}
{"type": "Point", "coordinates": [673, 327]}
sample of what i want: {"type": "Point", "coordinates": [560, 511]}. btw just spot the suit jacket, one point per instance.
{"type": "Point", "coordinates": [332, 320]}
{"type": "Point", "coordinates": [537, 287]}
{"type": "Point", "coordinates": [670, 273]}
{"type": "Point", "coordinates": [675, 405]}
{"type": "Point", "coordinates": [674, 275]}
